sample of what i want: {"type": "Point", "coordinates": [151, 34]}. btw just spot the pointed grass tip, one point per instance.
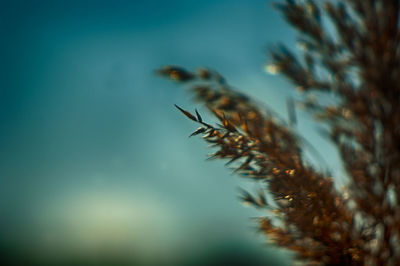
{"type": "Point", "coordinates": [186, 113]}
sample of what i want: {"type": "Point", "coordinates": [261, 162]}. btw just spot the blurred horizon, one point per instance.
{"type": "Point", "coordinates": [95, 163]}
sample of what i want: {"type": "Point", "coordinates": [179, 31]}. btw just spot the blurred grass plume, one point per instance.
{"type": "Point", "coordinates": [356, 64]}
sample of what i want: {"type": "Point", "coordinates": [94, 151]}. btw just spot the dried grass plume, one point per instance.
{"type": "Point", "coordinates": [358, 66]}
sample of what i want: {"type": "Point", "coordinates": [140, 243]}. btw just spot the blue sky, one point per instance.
{"type": "Point", "coordinates": [93, 155]}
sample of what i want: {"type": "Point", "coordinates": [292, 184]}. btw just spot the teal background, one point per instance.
{"type": "Point", "coordinates": [95, 164]}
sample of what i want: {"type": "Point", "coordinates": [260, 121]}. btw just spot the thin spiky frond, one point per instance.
{"type": "Point", "coordinates": [349, 74]}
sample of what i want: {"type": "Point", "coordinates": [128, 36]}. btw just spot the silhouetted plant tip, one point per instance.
{"type": "Point", "coordinates": [198, 116]}
{"type": "Point", "coordinates": [348, 74]}
{"type": "Point", "coordinates": [188, 115]}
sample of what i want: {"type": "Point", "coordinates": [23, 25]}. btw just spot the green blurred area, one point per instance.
{"type": "Point", "coordinates": [228, 254]}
